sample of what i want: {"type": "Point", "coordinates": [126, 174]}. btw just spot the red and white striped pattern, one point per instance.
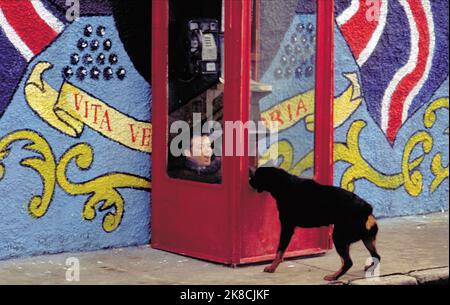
{"type": "Point", "coordinates": [363, 35]}
{"type": "Point", "coordinates": [408, 80]}
{"type": "Point", "coordinates": [28, 25]}
{"type": "Point", "coordinates": [355, 18]}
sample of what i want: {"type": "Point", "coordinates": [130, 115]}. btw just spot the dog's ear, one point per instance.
{"type": "Point", "coordinates": [252, 171]}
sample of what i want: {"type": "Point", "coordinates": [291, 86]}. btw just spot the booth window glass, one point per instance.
{"type": "Point", "coordinates": [196, 85]}
{"type": "Point", "coordinates": [283, 57]}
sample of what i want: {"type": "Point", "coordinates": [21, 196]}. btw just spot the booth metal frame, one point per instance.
{"type": "Point", "coordinates": [187, 216]}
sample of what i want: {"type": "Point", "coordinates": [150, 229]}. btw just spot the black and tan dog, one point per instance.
{"type": "Point", "coordinates": [307, 204]}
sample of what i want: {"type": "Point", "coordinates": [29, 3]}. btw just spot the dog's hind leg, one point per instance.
{"type": "Point", "coordinates": [369, 241]}
{"type": "Point", "coordinates": [285, 238]}
{"type": "Point", "coordinates": [343, 249]}
{"type": "Point", "coordinates": [370, 245]}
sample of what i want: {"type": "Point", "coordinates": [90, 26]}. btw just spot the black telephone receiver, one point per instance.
{"type": "Point", "coordinates": [203, 48]}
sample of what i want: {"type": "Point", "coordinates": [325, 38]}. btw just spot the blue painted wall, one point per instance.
{"type": "Point", "coordinates": [65, 226]}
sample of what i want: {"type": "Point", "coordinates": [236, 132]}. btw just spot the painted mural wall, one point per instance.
{"type": "Point", "coordinates": [75, 112]}
{"type": "Point", "coordinates": [391, 100]}
{"type": "Point", "coordinates": [394, 149]}
{"type": "Point", "coordinates": [75, 131]}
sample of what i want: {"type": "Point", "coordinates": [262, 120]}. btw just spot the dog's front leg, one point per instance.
{"type": "Point", "coordinates": [285, 238]}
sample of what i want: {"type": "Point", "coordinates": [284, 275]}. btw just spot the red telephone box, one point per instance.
{"type": "Point", "coordinates": [225, 220]}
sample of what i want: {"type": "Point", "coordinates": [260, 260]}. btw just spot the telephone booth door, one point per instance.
{"type": "Point", "coordinates": [223, 62]}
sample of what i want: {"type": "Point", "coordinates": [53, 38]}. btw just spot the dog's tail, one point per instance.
{"type": "Point", "coordinates": [371, 222]}
{"type": "Point", "coordinates": [371, 226]}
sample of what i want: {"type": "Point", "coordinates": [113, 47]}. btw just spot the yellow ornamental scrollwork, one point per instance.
{"type": "Point", "coordinates": [101, 190]}
{"type": "Point", "coordinates": [429, 117]}
{"type": "Point", "coordinates": [413, 178]}
{"type": "Point", "coordinates": [359, 168]}
{"type": "Point", "coordinates": [45, 166]}
{"type": "Point", "coordinates": [439, 171]}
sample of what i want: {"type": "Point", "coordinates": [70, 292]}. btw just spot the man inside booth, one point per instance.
{"type": "Point", "coordinates": [198, 163]}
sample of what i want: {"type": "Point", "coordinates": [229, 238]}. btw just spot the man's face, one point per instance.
{"type": "Point", "coordinates": [201, 150]}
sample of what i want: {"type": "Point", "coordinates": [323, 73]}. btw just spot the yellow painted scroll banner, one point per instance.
{"type": "Point", "coordinates": [70, 109]}
{"type": "Point", "coordinates": [301, 107]}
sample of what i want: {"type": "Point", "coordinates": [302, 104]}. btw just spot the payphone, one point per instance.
{"type": "Point", "coordinates": [203, 55]}
{"type": "Point", "coordinates": [194, 49]}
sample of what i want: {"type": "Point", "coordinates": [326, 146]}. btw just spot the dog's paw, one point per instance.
{"type": "Point", "coordinates": [371, 267]}
{"type": "Point", "coordinates": [367, 267]}
{"type": "Point", "coordinates": [330, 277]}
{"type": "Point", "coordinates": [269, 269]}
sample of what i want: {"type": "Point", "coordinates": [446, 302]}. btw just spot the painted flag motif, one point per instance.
{"type": "Point", "coordinates": [27, 27]}
{"type": "Point", "coordinates": [402, 54]}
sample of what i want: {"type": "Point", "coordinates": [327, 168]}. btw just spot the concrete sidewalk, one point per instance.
{"type": "Point", "coordinates": [414, 250]}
